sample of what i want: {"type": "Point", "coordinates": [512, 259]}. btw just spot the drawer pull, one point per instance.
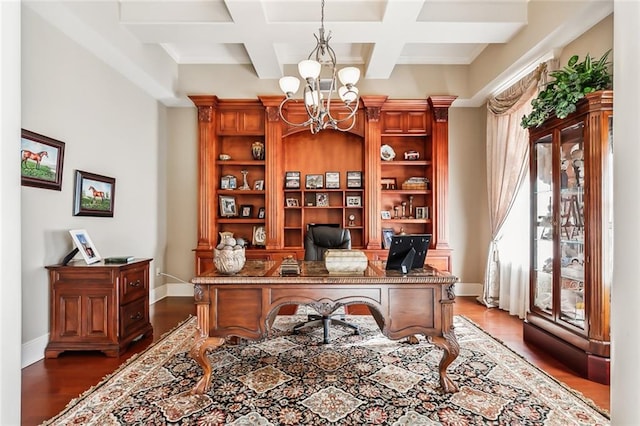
{"type": "Point", "coordinates": [137, 316]}
{"type": "Point", "coordinates": [135, 283]}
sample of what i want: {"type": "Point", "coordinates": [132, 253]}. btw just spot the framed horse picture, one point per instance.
{"type": "Point", "coordinates": [41, 161]}
{"type": "Point", "coordinates": [94, 195]}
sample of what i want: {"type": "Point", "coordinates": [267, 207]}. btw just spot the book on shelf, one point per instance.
{"type": "Point", "coordinates": [118, 259]}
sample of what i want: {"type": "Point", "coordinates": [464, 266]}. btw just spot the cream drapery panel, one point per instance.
{"type": "Point", "coordinates": [507, 165]}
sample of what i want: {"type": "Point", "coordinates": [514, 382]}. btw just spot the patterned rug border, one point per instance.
{"type": "Point", "coordinates": [577, 394]}
{"type": "Point", "coordinates": [187, 322]}
{"type": "Point", "coordinates": [84, 395]}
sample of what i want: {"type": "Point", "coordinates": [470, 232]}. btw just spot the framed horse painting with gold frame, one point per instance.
{"type": "Point", "coordinates": [41, 161]}
{"type": "Point", "coordinates": [94, 195]}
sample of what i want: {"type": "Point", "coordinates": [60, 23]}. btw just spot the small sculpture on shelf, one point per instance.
{"type": "Point", "coordinates": [257, 150]}
{"type": "Point", "coordinates": [352, 220]}
{"type": "Point", "coordinates": [404, 209]}
{"type": "Point", "coordinates": [245, 184]}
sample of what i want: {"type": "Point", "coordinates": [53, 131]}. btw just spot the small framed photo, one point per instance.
{"type": "Point", "coordinates": [85, 246]}
{"type": "Point", "coordinates": [388, 183]}
{"type": "Point", "coordinates": [261, 212]}
{"type": "Point", "coordinates": [354, 179]}
{"type": "Point", "coordinates": [94, 195]}
{"type": "Point", "coordinates": [314, 182]}
{"type": "Point", "coordinates": [387, 233]}
{"type": "Point", "coordinates": [332, 180]}
{"type": "Point", "coordinates": [292, 180]}
{"type": "Point", "coordinates": [246, 210]}
{"type": "Point", "coordinates": [354, 201]}
{"type": "Point", "coordinates": [259, 236]}
{"type": "Point", "coordinates": [258, 185]}
{"type": "Point", "coordinates": [322, 199]}
{"type": "Point", "coordinates": [292, 202]}
{"type": "Point", "coordinates": [228, 206]}
{"type": "Point", "coordinates": [41, 161]}
{"type": "Point", "coordinates": [422, 212]}
{"type": "Point", "coordinates": [228, 182]}
{"type": "Point", "coordinates": [385, 214]}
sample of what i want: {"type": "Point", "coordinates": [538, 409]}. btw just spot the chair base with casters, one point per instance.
{"type": "Point", "coordinates": [317, 241]}
{"type": "Point", "coordinates": [325, 321]}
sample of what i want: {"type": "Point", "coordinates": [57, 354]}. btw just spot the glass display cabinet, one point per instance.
{"type": "Point", "coordinates": [572, 236]}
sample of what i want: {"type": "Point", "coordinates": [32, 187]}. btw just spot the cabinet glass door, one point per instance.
{"type": "Point", "coordinates": [543, 199]}
{"type": "Point", "coordinates": [571, 238]}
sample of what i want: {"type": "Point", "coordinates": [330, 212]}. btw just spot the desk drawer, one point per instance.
{"type": "Point", "coordinates": [133, 284]}
{"type": "Point", "coordinates": [133, 316]}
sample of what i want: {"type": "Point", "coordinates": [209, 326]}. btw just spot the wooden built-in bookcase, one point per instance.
{"type": "Point", "coordinates": [231, 127]}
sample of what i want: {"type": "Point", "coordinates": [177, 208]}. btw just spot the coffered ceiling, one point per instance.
{"type": "Point", "coordinates": [148, 40]}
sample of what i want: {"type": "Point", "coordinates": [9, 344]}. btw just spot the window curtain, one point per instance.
{"type": "Point", "coordinates": [506, 278]}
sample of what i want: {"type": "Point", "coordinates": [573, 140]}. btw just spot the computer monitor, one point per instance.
{"type": "Point", "coordinates": [408, 252]}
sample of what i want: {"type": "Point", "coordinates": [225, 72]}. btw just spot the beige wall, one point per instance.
{"type": "Point", "coordinates": [111, 128]}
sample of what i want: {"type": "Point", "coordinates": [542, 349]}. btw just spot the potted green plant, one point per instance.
{"type": "Point", "coordinates": [568, 86]}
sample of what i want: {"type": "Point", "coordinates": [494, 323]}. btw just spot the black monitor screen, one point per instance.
{"type": "Point", "coordinates": [408, 251]}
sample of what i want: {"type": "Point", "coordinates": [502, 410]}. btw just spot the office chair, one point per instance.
{"type": "Point", "coordinates": [317, 241]}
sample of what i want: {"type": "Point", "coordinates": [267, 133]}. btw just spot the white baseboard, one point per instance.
{"type": "Point", "coordinates": [468, 289]}
{"type": "Point", "coordinates": [33, 350]}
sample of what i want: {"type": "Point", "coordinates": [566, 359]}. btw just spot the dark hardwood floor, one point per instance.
{"type": "Point", "coordinates": [48, 385]}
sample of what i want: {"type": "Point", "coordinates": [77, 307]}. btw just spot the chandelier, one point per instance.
{"type": "Point", "coordinates": [317, 91]}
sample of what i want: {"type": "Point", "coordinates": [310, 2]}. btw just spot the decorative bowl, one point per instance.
{"type": "Point", "coordinates": [228, 262]}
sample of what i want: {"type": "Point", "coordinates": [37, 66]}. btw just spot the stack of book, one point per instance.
{"type": "Point", "coordinates": [118, 259]}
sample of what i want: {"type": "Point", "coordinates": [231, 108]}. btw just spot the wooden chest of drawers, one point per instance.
{"type": "Point", "coordinates": [101, 307]}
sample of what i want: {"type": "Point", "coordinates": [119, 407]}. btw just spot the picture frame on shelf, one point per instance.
{"type": "Point", "coordinates": [259, 236]}
{"type": "Point", "coordinates": [422, 212]}
{"type": "Point", "coordinates": [389, 183]}
{"type": "Point", "coordinates": [387, 233]}
{"type": "Point", "coordinates": [258, 185]}
{"type": "Point", "coordinates": [354, 201]}
{"type": "Point", "coordinates": [228, 206]}
{"type": "Point", "coordinates": [41, 161]}
{"type": "Point", "coordinates": [94, 195]}
{"type": "Point", "coordinates": [385, 214]}
{"type": "Point", "coordinates": [322, 199]}
{"type": "Point", "coordinates": [246, 210]}
{"type": "Point", "coordinates": [332, 180]}
{"type": "Point", "coordinates": [228, 182]}
{"type": "Point", "coordinates": [354, 179]}
{"type": "Point", "coordinates": [292, 180]}
{"type": "Point", "coordinates": [314, 181]}
{"type": "Point", "coordinates": [292, 202]}
{"type": "Point", "coordinates": [261, 213]}
{"type": "Point", "coordinates": [85, 246]}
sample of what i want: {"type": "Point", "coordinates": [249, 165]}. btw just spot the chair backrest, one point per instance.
{"type": "Point", "coordinates": [321, 238]}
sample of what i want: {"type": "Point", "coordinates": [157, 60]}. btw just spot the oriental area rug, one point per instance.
{"type": "Point", "coordinates": [355, 380]}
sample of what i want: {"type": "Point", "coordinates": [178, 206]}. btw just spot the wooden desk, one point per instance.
{"type": "Point", "coordinates": [246, 304]}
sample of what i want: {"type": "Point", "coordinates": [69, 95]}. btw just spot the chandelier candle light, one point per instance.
{"type": "Point", "coordinates": [317, 105]}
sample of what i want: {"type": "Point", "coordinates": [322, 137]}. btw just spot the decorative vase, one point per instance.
{"type": "Point", "coordinates": [229, 262]}
{"type": "Point", "coordinates": [257, 150]}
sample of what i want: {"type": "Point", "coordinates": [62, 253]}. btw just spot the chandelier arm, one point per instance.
{"type": "Point", "coordinates": [282, 116]}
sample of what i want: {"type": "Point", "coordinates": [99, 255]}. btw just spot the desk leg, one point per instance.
{"type": "Point", "coordinates": [199, 353]}
{"type": "Point", "coordinates": [449, 344]}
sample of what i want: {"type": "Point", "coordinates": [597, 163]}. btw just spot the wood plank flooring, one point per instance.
{"type": "Point", "coordinates": [48, 385]}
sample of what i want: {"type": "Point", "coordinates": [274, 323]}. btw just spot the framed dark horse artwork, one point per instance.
{"type": "Point", "coordinates": [41, 161]}
{"type": "Point", "coordinates": [94, 195]}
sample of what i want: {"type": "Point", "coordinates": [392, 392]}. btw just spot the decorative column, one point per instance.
{"type": "Point", "coordinates": [439, 137]}
{"type": "Point", "coordinates": [207, 108]}
{"type": "Point", "coordinates": [273, 179]}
